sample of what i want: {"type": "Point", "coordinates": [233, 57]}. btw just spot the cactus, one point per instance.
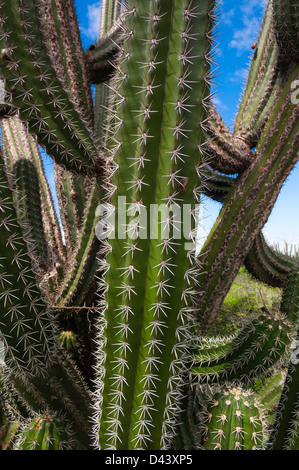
{"type": "Point", "coordinates": [233, 421]}
{"type": "Point", "coordinates": [255, 350]}
{"type": "Point", "coordinates": [269, 396]}
{"type": "Point", "coordinates": [68, 340]}
{"type": "Point", "coordinates": [7, 434]}
{"type": "Point", "coordinates": [141, 301]}
{"type": "Point", "coordinates": [165, 145]}
{"type": "Point", "coordinates": [45, 432]}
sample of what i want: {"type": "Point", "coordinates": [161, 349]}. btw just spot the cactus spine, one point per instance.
{"type": "Point", "coordinates": [233, 422]}
{"type": "Point", "coordinates": [165, 144]}
{"type": "Point", "coordinates": [141, 301]}
{"type": "Point", "coordinates": [45, 432]}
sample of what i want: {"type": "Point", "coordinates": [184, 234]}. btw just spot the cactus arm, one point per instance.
{"type": "Point", "coordinates": [109, 37]}
{"type": "Point", "coordinates": [50, 218]}
{"type": "Point", "coordinates": [226, 153]}
{"type": "Point", "coordinates": [266, 265]}
{"type": "Point", "coordinates": [66, 26]}
{"type": "Point", "coordinates": [270, 395]}
{"type": "Point", "coordinates": [84, 252]}
{"type": "Point", "coordinates": [285, 15]}
{"type": "Point", "coordinates": [68, 210]}
{"type": "Point", "coordinates": [290, 293]}
{"type": "Point", "coordinates": [78, 201]}
{"type": "Point", "coordinates": [9, 433]}
{"type": "Point", "coordinates": [30, 207]}
{"type": "Point", "coordinates": [19, 146]}
{"type": "Point", "coordinates": [19, 279]}
{"type": "Point", "coordinates": [110, 10]}
{"type": "Point", "coordinates": [61, 389]}
{"type": "Point", "coordinates": [13, 406]}
{"type": "Point", "coordinates": [101, 55]}
{"type": "Point", "coordinates": [215, 185]}
{"type": "Point", "coordinates": [285, 427]}
{"type": "Point", "coordinates": [30, 350]}
{"type": "Point", "coordinates": [188, 430]}
{"type": "Point", "coordinates": [73, 196]}
{"type": "Point", "coordinates": [24, 174]}
{"type": "Point", "coordinates": [45, 432]}
{"type": "Point", "coordinates": [234, 421]}
{"type": "Point", "coordinates": [260, 346]}
{"type": "Point", "coordinates": [163, 143]}
{"type": "Point", "coordinates": [53, 117]}
{"type": "Point", "coordinates": [275, 158]}
{"type": "Point", "coordinates": [262, 89]}
{"type": "Point", "coordinates": [262, 261]}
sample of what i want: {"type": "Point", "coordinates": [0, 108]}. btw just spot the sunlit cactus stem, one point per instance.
{"type": "Point", "coordinates": [149, 280]}
{"type": "Point", "coordinates": [105, 338]}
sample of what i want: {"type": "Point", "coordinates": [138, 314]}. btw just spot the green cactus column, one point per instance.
{"type": "Point", "coordinates": [100, 58]}
{"type": "Point", "coordinates": [162, 97]}
{"type": "Point", "coordinates": [18, 145]}
{"type": "Point", "coordinates": [264, 82]}
{"type": "Point", "coordinates": [270, 267]}
{"type": "Point", "coordinates": [226, 153]}
{"type": "Point", "coordinates": [249, 204]}
{"type": "Point", "coordinates": [259, 347]}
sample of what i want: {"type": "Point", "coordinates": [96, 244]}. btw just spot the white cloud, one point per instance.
{"type": "Point", "coordinates": [93, 16]}
{"type": "Point", "coordinates": [249, 7]}
{"type": "Point", "coordinates": [226, 17]}
{"type": "Point", "coordinates": [218, 103]}
{"type": "Point", "coordinates": [245, 37]}
{"type": "Point", "coordinates": [250, 20]}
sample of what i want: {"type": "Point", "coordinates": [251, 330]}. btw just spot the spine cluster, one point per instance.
{"type": "Point", "coordinates": [149, 289]}
{"type": "Point", "coordinates": [143, 374]}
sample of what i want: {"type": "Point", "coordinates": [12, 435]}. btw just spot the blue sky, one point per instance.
{"type": "Point", "coordinates": [239, 28]}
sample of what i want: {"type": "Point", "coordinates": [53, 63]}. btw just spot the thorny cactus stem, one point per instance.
{"type": "Point", "coordinates": [258, 347]}
{"type": "Point", "coordinates": [249, 204]}
{"type": "Point", "coordinates": [47, 81]}
{"type": "Point", "coordinates": [233, 420]}
{"type": "Point", "coordinates": [148, 282]}
{"type": "Point", "coordinates": [154, 139]}
{"type": "Point", "coordinates": [45, 432]}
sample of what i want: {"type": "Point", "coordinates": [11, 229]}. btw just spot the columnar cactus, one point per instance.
{"type": "Point", "coordinates": [140, 300]}
{"type": "Point", "coordinates": [160, 163]}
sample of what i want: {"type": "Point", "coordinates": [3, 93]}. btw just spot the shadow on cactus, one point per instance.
{"type": "Point", "coordinates": [103, 322]}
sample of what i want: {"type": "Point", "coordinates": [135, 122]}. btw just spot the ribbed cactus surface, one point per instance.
{"type": "Point", "coordinates": [257, 348]}
{"type": "Point", "coordinates": [149, 280]}
{"type": "Point", "coordinates": [105, 338]}
{"type": "Point", "coordinates": [233, 421]}
{"type": "Point", "coordinates": [45, 432]}
{"type": "Point", "coordinates": [7, 434]}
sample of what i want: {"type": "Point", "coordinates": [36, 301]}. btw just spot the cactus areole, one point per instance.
{"type": "Point", "coordinates": [105, 300]}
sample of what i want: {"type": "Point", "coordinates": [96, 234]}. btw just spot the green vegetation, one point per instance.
{"type": "Point", "coordinates": [244, 301]}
